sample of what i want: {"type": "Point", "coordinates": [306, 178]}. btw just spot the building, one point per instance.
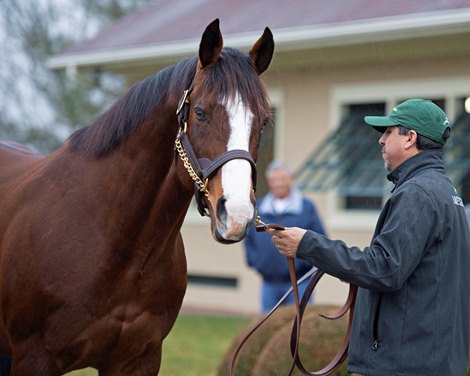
{"type": "Point", "coordinates": [334, 61]}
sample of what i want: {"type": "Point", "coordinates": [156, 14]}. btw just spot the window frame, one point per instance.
{"type": "Point", "coordinates": [391, 93]}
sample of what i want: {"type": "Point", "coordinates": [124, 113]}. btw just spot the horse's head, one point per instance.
{"type": "Point", "coordinates": [222, 116]}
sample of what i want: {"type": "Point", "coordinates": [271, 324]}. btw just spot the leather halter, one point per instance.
{"type": "Point", "coordinates": [203, 169]}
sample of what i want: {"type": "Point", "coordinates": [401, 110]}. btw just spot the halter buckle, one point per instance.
{"type": "Point", "coordinates": [182, 102]}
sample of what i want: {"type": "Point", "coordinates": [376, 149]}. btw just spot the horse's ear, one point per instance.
{"type": "Point", "coordinates": [211, 44]}
{"type": "Point", "coordinates": [262, 51]}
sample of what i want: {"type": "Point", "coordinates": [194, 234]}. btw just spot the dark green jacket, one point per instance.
{"type": "Point", "coordinates": [412, 312]}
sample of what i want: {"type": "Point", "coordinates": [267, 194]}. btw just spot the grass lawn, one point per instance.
{"type": "Point", "coordinates": [195, 345]}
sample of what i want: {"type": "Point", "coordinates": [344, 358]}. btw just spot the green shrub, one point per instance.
{"type": "Point", "coordinates": [267, 352]}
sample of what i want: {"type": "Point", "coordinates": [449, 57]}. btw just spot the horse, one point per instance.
{"type": "Point", "coordinates": [92, 264]}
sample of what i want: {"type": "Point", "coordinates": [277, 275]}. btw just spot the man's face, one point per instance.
{"type": "Point", "coordinates": [393, 148]}
{"type": "Point", "coordinates": [279, 182]}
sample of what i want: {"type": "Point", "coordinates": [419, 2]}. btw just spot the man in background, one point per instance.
{"type": "Point", "coordinates": [285, 205]}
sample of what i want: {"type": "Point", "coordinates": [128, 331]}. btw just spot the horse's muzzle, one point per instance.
{"type": "Point", "coordinates": [232, 227]}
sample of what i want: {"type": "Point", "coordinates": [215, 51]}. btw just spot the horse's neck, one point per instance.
{"type": "Point", "coordinates": [136, 185]}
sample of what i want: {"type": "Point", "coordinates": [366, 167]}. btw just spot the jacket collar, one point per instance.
{"type": "Point", "coordinates": [294, 199]}
{"type": "Point", "coordinates": [426, 159]}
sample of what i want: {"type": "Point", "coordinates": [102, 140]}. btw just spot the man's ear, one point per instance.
{"type": "Point", "coordinates": [411, 139]}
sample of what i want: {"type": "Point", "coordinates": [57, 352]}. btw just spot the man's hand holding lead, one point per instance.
{"type": "Point", "coordinates": [287, 241]}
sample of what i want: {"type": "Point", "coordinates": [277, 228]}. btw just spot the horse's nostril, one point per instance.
{"type": "Point", "coordinates": [221, 210]}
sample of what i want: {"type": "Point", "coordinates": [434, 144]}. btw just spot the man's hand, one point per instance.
{"type": "Point", "coordinates": [287, 241]}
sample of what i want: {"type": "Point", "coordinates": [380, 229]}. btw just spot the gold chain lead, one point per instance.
{"type": "Point", "coordinates": [187, 164]}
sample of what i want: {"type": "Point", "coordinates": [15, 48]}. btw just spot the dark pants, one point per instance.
{"type": "Point", "coordinates": [5, 366]}
{"type": "Point", "coordinates": [272, 292]}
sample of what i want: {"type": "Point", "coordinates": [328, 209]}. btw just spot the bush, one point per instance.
{"type": "Point", "coordinates": [267, 352]}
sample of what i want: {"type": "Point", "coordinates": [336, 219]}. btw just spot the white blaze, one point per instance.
{"type": "Point", "coordinates": [236, 174]}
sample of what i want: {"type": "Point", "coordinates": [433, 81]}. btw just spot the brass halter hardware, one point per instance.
{"type": "Point", "coordinates": [188, 166]}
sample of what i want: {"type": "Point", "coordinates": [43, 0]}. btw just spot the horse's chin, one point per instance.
{"type": "Point", "coordinates": [221, 239]}
{"type": "Point", "coordinates": [220, 234]}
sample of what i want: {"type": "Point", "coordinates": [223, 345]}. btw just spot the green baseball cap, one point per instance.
{"type": "Point", "coordinates": [420, 115]}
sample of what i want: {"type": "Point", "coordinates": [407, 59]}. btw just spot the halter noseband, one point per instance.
{"type": "Point", "coordinates": [202, 169]}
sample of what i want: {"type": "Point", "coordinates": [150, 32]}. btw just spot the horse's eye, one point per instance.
{"type": "Point", "coordinates": [200, 115]}
{"type": "Point", "coordinates": [267, 121]}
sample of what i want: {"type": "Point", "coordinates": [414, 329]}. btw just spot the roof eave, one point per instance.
{"type": "Point", "coordinates": [291, 39]}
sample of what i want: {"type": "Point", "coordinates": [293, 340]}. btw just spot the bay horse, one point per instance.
{"type": "Point", "coordinates": [92, 263]}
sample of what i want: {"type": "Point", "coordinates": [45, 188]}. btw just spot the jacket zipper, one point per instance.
{"type": "Point", "coordinates": [375, 343]}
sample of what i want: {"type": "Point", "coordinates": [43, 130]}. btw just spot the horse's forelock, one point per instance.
{"type": "Point", "coordinates": [234, 75]}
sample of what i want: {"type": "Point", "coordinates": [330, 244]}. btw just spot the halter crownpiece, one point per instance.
{"type": "Point", "coordinates": [183, 108]}
{"type": "Point", "coordinates": [202, 169]}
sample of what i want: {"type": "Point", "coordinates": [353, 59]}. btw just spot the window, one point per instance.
{"type": "Point", "coordinates": [457, 154]}
{"type": "Point", "coordinates": [349, 160]}
{"type": "Point", "coordinates": [363, 185]}
{"type": "Point", "coordinates": [265, 155]}
{"type": "Point", "coordinates": [212, 281]}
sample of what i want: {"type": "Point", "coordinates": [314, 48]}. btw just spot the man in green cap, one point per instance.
{"type": "Point", "coordinates": [412, 312]}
